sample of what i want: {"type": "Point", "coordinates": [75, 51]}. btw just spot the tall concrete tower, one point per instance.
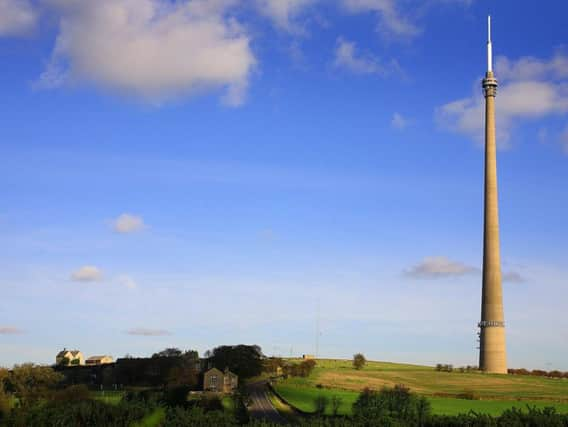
{"type": "Point", "coordinates": [492, 354]}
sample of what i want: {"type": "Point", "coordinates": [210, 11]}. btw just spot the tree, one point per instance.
{"type": "Point", "coordinates": [5, 405]}
{"type": "Point", "coordinates": [336, 402]}
{"type": "Point", "coordinates": [244, 360]}
{"type": "Point", "coordinates": [240, 402]}
{"type": "Point", "coordinates": [272, 364]}
{"type": "Point", "coordinates": [169, 352]}
{"type": "Point", "coordinates": [391, 404]}
{"type": "Point", "coordinates": [359, 361]}
{"type": "Point", "coordinates": [184, 372]}
{"type": "Point", "coordinates": [306, 367]}
{"type": "Point", "coordinates": [32, 383]}
{"type": "Point", "coordinates": [321, 402]}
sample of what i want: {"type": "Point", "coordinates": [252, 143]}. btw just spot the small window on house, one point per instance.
{"type": "Point", "coordinates": [213, 381]}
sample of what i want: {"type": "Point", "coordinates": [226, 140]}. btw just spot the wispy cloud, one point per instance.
{"type": "Point", "coordinates": [348, 57]}
{"type": "Point", "coordinates": [531, 89]}
{"type": "Point", "coordinates": [179, 48]}
{"type": "Point", "coordinates": [87, 273]}
{"type": "Point", "coordinates": [513, 277]}
{"type": "Point", "coordinates": [283, 13]}
{"type": "Point", "coordinates": [391, 22]}
{"type": "Point", "coordinates": [17, 17]}
{"type": "Point", "coordinates": [128, 223]}
{"type": "Point", "coordinates": [399, 121]}
{"type": "Point", "coordinates": [148, 332]}
{"type": "Point", "coordinates": [437, 267]}
{"type": "Point", "coordinates": [10, 330]}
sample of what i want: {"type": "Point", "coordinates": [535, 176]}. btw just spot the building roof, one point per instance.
{"type": "Point", "coordinates": [64, 352]}
{"type": "Point", "coordinates": [218, 371]}
{"type": "Point", "coordinates": [99, 357]}
{"type": "Point", "coordinates": [214, 370]}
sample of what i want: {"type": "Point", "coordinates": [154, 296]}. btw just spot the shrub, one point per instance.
{"type": "Point", "coordinates": [359, 361]}
{"type": "Point", "coordinates": [5, 405]}
{"type": "Point", "coordinates": [321, 402]}
{"type": "Point", "coordinates": [210, 403]}
{"type": "Point", "coordinates": [391, 405]}
{"type": "Point", "coordinates": [74, 393]}
{"type": "Point", "coordinates": [176, 396]}
{"type": "Point", "coordinates": [468, 395]}
{"type": "Point", "coordinates": [336, 402]}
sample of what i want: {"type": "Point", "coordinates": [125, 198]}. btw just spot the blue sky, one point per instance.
{"type": "Point", "coordinates": [208, 172]}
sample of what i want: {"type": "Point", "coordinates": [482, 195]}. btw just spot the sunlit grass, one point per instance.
{"type": "Point", "coordinates": [495, 392]}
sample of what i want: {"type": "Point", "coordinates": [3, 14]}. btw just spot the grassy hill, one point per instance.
{"type": "Point", "coordinates": [495, 392]}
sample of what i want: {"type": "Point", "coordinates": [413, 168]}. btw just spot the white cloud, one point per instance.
{"type": "Point", "coordinates": [128, 223]}
{"type": "Point", "coordinates": [283, 12]}
{"type": "Point", "coordinates": [10, 330]}
{"type": "Point", "coordinates": [17, 17]}
{"type": "Point", "coordinates": [148, 332]}
{"type": "Point", "coordinates": [391, 23]}
{"type": "Point", "coordinates": [530, 89]}
{"type": "Point", "coordinates": [531, 68]}
{"type": "Point", "coordinates": [398, 121]}
{"type": "Point", "coordinates": [434, 267]}
{"type": "Point", "coordinates": [152, 49]}
{"type": "Point", "coordinates": [127, 281]}
{"type": "Point", "coordinates": [348, 57]}
{"type": "Point", "coordinates": [87, 273]}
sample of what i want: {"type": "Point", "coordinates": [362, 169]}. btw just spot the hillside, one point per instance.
{"type": "Point", "coordinates": [493, 393]}
{"type": "Point", "coordinates": [426, 380]}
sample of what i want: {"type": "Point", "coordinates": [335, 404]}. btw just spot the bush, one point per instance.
{"type": "Point", "coordinates": [468, 395]}
{"type": "Point", "coordinates": [302, 369]}
{"type": "Point", "coordinates": [391, 405]}
{"type": "Point", "coordinates": [176, 396]}
{"type": "Point", "coordinates": [321, 402]}
{"type": "Point", "coordinates": [336, 402]}
{"type": "Point", "coordinates": [359, 361]}
{"type": "Point", "coordinates": [81, 413]}
{"type": "Point", "coordinates": [5, 405]}
{"type": "Point", "coordinates": [74, 393]}
{"type": "Point", "coordinates": [179, 417]}
{"type": "Point", "coordinates": [210, 402]}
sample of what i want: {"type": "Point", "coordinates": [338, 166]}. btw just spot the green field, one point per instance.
{"type": "Point", "coordinates": [496, 392]}
{"type": "Point", "coordinates": [109, 397]}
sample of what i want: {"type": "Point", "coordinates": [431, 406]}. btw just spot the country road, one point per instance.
{"type": "Point", "coordinates": [261, 407]}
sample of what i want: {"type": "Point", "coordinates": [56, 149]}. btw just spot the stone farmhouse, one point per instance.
{"type": "Point", "coordinates": [220, 382]}
{"type": "Point", "coordinates": [69, 357]}
{"type": "Point", "coordinates": [99, 360]}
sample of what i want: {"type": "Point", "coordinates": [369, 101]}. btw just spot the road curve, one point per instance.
{"type": "Point", "coordinates": [261, 407]}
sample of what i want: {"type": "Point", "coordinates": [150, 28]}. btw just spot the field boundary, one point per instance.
{"type": "Point", "coordinates": [286, 402]}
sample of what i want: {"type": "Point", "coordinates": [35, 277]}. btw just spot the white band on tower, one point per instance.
{"type": "Point", "coordinates": [489, 46]}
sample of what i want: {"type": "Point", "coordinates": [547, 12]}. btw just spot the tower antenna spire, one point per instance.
{"type": "Point", "coordinates": [489, 46]}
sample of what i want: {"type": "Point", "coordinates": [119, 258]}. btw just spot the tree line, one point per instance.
{"type": "Point", "coordinates": [41, 403]}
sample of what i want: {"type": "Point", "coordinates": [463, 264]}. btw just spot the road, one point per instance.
{"type": "Point", "coordinates": [261, 407]}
